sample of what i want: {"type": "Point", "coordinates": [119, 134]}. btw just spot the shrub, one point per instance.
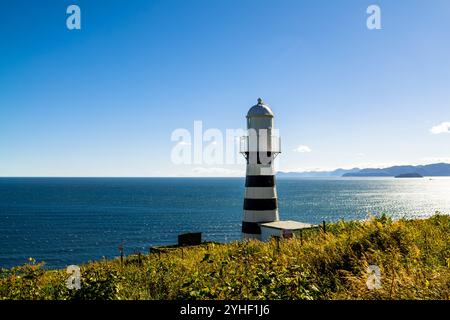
{"type": "Point", "coordinates": [413, 258]}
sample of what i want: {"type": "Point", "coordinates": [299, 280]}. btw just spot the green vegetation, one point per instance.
{"type": "Point", "coordinates": [413, 257]}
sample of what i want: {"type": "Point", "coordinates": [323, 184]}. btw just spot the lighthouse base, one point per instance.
{"type": "Point", "coordinates": [249, 236]}
{"type": "Point", "coordinates": [252, 230]}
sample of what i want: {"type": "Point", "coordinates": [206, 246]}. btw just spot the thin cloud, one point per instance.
{"type": "Point", "coordinates": [430, 160]}
{"type": "Point", "coordinates": [302, 149]}
{"type": "Point", "coordinates": [444, 127]}
{"type": "Point", "coordinates": [217, 171]}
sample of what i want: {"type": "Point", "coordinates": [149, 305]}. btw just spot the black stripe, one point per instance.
{"type": "Point", "coordinates": [259, 181]}
{"type": "Point", "coordinates": [260, 204]}
{"type": "Point", "coordinates": [251, 227]}
{"type": "Point", "coordinates": [262, 157]}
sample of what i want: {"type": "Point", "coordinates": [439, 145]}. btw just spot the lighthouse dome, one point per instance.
{"type": "Point", "coordinates": [260, 110]}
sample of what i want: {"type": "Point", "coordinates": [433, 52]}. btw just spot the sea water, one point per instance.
{"type": "Point", "coordinates": [65, 221]}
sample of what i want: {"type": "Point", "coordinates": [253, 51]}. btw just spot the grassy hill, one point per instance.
{"type": "Point", "coordinates": [413, 258]}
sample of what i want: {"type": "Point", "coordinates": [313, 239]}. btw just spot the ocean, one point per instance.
{"type": "Point", "coordinates": [65, 221]}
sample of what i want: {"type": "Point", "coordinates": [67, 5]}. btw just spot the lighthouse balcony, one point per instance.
{"type": "Point", "coordinates": [251, 144]}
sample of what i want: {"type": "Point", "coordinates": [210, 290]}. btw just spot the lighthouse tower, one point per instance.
{"type": "Point", "coordinates": [260, 148]}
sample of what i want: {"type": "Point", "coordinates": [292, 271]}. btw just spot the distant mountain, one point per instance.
{"type": "Point", "coordinates": [430, 170]}
{"type": "Point", "coordinates": [409, 175]}
{"type": "Point", "coordinates": [317, 174]}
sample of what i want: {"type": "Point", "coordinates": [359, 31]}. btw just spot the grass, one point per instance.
{"type": "Point", "coordinates": [413, 257]}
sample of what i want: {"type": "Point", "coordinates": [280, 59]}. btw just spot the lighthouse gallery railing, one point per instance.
{"type": "Point", "coordinates": [260, 144]}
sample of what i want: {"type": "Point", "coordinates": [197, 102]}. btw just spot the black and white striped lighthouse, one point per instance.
{"type": "Point", "coordinates": [260, 147]}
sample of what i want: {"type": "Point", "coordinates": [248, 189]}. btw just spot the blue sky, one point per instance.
{"type": "Point", "coordinates": [104, 100]}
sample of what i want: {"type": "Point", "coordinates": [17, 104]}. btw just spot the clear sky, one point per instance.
{"type": "Point", "coordinates": [104, 100]}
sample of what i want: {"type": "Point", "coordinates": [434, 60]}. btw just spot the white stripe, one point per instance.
{"type": "Point", "coordinates": [261, 216]}
{"type": "Point", "coordinates": [260, 170]}
{"type": "Point", "coordinates": [260, 193]}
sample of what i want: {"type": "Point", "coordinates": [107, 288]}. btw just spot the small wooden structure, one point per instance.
{"type": "Point", "coordinates": [284, 229]}
{"type": "Point", "coordinates": [190, 239]}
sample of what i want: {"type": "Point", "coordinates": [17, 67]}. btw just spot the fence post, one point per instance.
{"type": "Point", "coordinates": [121, 254]}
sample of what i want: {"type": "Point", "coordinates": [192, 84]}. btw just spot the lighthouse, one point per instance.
{"type": "Point", "coordinates": [259, 147]}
